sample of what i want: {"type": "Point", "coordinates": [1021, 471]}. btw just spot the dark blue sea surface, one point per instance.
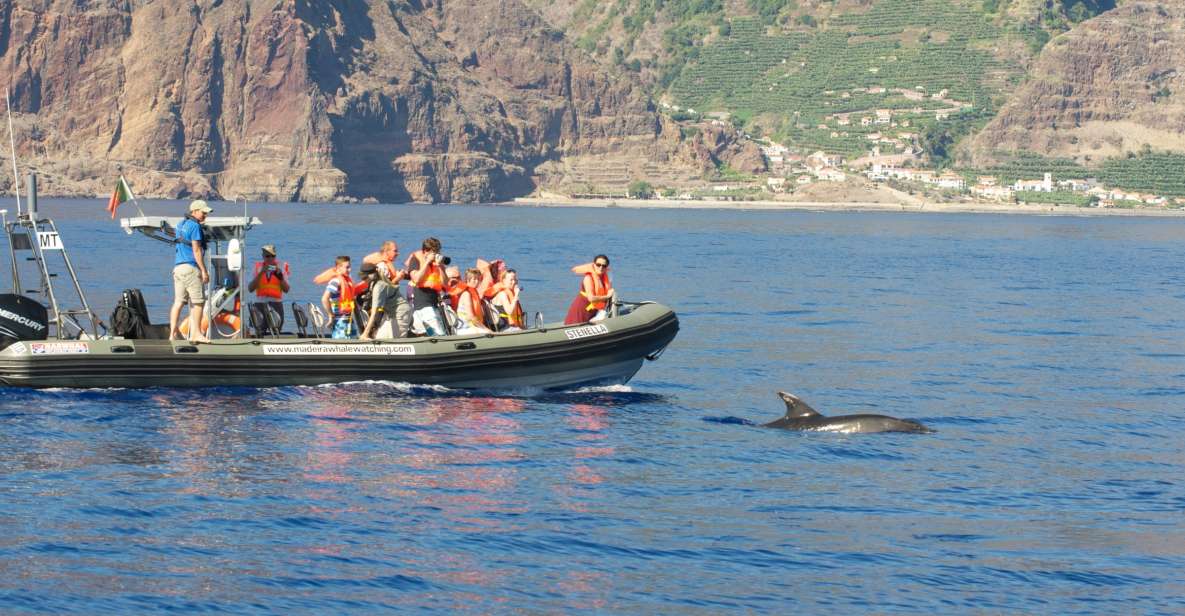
{"type": "Point", "coordinates": [1047, 352]}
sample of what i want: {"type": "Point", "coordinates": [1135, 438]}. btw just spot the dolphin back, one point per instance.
{"type": "Point", "coordinates": [851, 424]}
{"type": "Point", "coordinates": [800, 416]}
{"type": "Point", "coordinates": [866, 424]}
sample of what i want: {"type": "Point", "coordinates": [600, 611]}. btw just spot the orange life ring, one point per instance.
{"type": "Point", "coordinates": [227, 318]}
{"type": "Point", "coordinates": [184, 326]}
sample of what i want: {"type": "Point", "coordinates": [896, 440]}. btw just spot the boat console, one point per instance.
{"type": "Point", "coordinates": [228, 241]}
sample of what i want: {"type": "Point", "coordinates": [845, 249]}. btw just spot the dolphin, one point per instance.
{"type": "Point", "coordinates": [800, 416]}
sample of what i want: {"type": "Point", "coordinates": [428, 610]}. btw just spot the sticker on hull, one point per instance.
{"type": "Point", "coordinates": [585, 332]}
{"type": "Point", "coordinates": [339, 349]}
{"type": "Point", "coordinates": [59, 348]}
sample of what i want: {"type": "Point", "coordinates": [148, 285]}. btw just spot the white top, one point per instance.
{"type": "Point", "coordinates": [217, 227]}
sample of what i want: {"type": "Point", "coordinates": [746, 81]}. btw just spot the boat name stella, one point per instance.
{"type": "Point", "coordinates": [585, 332]}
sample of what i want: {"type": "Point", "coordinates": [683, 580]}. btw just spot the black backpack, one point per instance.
{"type": "Point", "coordinates": [130, 317]}
{"type": "Point", "coordinates": [370, 274]}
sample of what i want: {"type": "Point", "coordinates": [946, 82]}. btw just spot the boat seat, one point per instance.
{"type": "Point", "coordinates": [319, 320]}
{"type": "Point", "coordinates": [262, 321]}
{"type": "Point", "coordinates": [301, 319]}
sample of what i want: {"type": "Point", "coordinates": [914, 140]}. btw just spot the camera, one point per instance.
{"type": "Point", "coordinates": [443, 260]}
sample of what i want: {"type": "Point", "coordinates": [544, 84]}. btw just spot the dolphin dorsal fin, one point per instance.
{"type": "Point", "coordinates": [796, 408]}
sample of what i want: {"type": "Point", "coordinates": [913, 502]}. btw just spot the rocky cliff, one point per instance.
{"type": "Point", "coordinates": [1113, 85]}
{"type": "Point", "coordinates": [399, 100]}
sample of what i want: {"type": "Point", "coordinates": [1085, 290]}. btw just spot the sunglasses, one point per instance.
{"type": "Point", "coordinates": [601, 264]}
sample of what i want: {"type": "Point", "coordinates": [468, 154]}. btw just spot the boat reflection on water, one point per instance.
{"type": "Point", "coordinates": [591, 422]}
{"type": "Point", "coordinates": [463, 467]}
{"type": "Point", "coordinates": [360, 484]}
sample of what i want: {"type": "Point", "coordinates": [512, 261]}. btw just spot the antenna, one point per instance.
{"type": "Point", "coordinates": [16, 178]}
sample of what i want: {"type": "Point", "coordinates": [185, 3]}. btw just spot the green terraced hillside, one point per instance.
{"type": "Point", "coordinates": [1150, 172]}
{"type": "Point", "coordinates": [912, 57]}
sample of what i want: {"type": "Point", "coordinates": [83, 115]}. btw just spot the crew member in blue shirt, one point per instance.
{"type": "Point", "coordinates": [189, 272]}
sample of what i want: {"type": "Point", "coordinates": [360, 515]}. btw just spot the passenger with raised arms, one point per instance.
{"type": "Point", "coordinates": [466, 301]}
{"type": "Point", "coordinates": [386, 302]}
{"type": "Point", "coordinates": [426, 267]}
{"type": "Point", "coordinates": [596, 291]}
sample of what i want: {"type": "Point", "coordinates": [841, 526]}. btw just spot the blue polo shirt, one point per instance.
{"type": "Point", "coordinates": [188, 232]}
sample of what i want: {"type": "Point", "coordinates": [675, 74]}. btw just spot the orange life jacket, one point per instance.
{"type": "Point", "coordinates": [517, 318]}
{"type": "Point", "coordinates": [435, 278]}
{"type": "Point", "coordinates": [600, 286]}
{"type": "Point", "coordinates": [460, 289]}
{"type": "Point", "coordinates": [269, 286]}
{"type": "Point", "coordinates": [344, 306]}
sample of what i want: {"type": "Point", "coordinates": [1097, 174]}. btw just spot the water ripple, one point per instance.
{"type": "Point", "coordinates": [1045, 350]}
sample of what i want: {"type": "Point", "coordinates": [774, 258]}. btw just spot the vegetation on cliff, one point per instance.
{"type": "Point", "coordinates": [786, 69]}
{"type": "Point", "coordinates": [432, 100]}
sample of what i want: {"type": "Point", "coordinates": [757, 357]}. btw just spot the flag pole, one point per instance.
{"type": "Point", "coordinates": [135, 201]}
{"type": "Point", "coordinates": [16, 178]}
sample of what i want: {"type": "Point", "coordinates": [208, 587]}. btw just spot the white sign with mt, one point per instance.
{"type": "Point", "coordinates": [49, 240]}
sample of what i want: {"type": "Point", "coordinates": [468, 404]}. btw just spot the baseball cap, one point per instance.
{"type": "Point", "coordinates": [269, 249]}
{"type": "Point", "coordinates": [200, 205]}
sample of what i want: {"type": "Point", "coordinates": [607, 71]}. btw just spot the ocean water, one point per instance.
{"type": "Point", "coordinates": [1047, 352]}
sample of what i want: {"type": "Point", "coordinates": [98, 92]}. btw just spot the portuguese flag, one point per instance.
{"type": "Point", "coordinates": [122, 193]}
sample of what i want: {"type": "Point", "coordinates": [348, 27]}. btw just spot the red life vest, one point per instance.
{"type": "Point", "coordinates": [460, 289]}
{"type": "Point", "coordinates": [601, 286]}
{"type": "Point", "coordinates": [269, 286]}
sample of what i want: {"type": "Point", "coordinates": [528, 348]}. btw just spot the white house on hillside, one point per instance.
{"type": "Point", "coordinates": [950, 180]}
{"type": "Point", "coordinates": [821, 159]}
{"type": "Point", "coordinates": [1045, 185]}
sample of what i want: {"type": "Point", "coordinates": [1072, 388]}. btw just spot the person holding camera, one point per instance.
{"type": "Point", "coordinates": [426, 267]}
{"type": "Point", "coordinates": [270, 283]}
{"type": "Point", "coordinates": [387, 303]}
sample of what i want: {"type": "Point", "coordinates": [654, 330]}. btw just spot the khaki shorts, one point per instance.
{"type": "Point", "coordinates": [187, 285]}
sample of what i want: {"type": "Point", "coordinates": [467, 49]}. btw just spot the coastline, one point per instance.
{"type": "Point", "coordinates": [855, 206]}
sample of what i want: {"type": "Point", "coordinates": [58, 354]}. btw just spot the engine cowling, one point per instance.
{"type": "Point", "coordinates": [22, 318]}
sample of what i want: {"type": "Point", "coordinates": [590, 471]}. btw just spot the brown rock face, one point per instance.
{"type": "Point", "coordinates": [722, 145]}
{"type": "Point", "coordinates": [406, 100]}
{"type": "Point", "coordinates": [1112, 85]}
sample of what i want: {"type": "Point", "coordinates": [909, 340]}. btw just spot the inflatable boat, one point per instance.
{"type": "Point", "coordinates": [546, 358]}
{"type": "Point", "coordinates": [46, 343]}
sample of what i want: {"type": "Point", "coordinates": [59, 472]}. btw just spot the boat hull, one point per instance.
{"type": "Point", "coordinates": [550, 358]}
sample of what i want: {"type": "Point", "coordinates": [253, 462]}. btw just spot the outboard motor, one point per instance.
{"type": "Point", "coordinates": [22, 318]}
